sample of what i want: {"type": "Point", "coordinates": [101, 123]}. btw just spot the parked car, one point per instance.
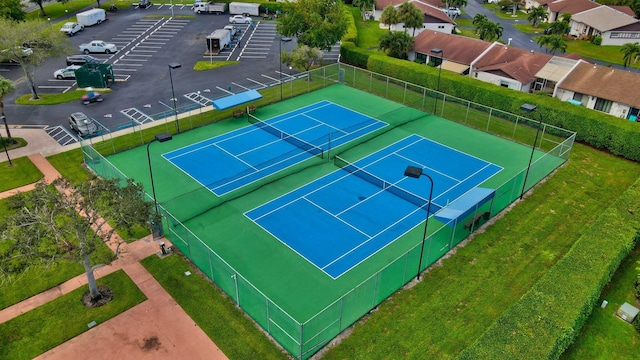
{"type": "Point", "coordinates": [143, 4]}
{"type": "Point", "coordinates": [82, 59]}
{"type": "Point", "coordinates": [68, 72]}
{"type": "Point", "coordinates": [82, 124]}
{"type": "Point", "coordinates": [13, 55]}
{"type": "Point", "coordinates": [90, 97]}
{"type": "Point", "coordinates": [453, 11]}
{"type": "Point", "coordinates": [71, 28]}
{"type": "Point", "coordinates": [509, 8]}
{"type": "Point", "coordinates": [98, 46]}
{"type": "Point", "coordinates": [240, 19]}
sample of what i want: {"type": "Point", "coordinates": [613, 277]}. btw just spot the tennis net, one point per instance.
{"type": "Point", "coordinates": [306, 146]}
{"type": "Point", "coordinates": [385, 185]}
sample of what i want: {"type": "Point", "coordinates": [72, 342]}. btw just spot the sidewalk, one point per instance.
{"type": "Point", "coordinates": [157, 328]}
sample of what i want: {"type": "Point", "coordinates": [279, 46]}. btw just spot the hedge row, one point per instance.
{"type": "Point", "coordinates": [618, 136]}
{"type": "Point", "coordinates": [546, 320]}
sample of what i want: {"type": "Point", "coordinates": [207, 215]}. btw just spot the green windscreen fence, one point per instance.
{"type": "Point", "coordinates": [294, 302]}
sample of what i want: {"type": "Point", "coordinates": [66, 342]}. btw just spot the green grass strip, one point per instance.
{"type": "Point", "coordinates": [546, 320]}
{"type": "Point", "coordinates": [230, 329]}
{"type": "Point", "coordinates": [23, 172]}
{"type": "Point", "coordinates": [55, 322]}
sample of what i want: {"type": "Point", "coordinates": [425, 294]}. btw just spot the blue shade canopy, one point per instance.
{"type": "Point", "coordinates": [236, 99]}
{"type": "Point", "coordinates": [465, 205]}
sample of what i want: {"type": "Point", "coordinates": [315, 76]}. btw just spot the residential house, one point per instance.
{"type": "Point", "coordinates": [434, 17]}
{"type": "Point", "coordinates": [556, 8]}
{"type": "Point", "coordinates": [601, 88]}
{"type": "Point", "coordinates": [495, 63]}
{"type": "Point", "coordinates": [614, 26]}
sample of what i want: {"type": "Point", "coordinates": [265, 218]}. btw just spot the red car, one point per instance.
{"type": "Point", "coordinates": [91, 97]}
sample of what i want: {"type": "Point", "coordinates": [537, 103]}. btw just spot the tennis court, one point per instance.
{"type": "Point", "coordinates": [253, 152]}
{"type": "Point", "coordinates": [337, 221]}
{"type": "Point", "coordinates": [309, 247]}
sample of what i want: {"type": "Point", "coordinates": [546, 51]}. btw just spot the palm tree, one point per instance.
{"type": "Point", "coordinates": [390, 16]}
{"type": "Point", "coordinates": [553, 43]}
{"type": "Point", "coordinates": [630, 51]}
{"type": "Point", "coordinates": [397, 44]}
{"type": "Point", "coordinates": [488, 30]}
{"type": "Point", "coordinates": [411, 16]}
{"type": "Point", "coordinates": [537, 15]}
{"type": "Point", "coordinates": [6, 87]}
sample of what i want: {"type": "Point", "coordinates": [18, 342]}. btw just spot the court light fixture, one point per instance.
{"type": "Point", "coordinates": [441, 52]}
{"type": "Point", "coordinates": [416, 172]}
{"type": "Point", "coordinates": [173, 66]}
{"type": "Point", "coordinates": [531, 108]}
{"type": "Point", "coordinates": [162, 137]}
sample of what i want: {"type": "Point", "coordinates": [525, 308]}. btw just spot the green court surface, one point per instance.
{"type": "Point", "coordinates": [266, 278]}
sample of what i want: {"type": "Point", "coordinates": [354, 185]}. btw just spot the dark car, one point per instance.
{"type": "Point", "coordinates": [90, 97]}
{"type": "Point", "coordinates": [82, 124]}
{"type": "Point", "coordinates": [143, 4]}
{"type": "Point", "coordinates": [82, 59]}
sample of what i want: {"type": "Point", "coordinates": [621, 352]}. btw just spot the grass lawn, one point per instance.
{"type": "Point", "coordinates": [455, 303]}
{"type": "Point", "coordinates": [51, 324]}
{"type": "Point", "coordinates": [23, 172]}
{"type": "Point", "coordinates": [605, 336]}
{"type": "Point", "coordinates": [233, 332]}
{"type": "Point", "coordinates": [369, 32]}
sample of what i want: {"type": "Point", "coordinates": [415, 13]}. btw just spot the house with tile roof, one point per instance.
{"type": "Point", "coordinates": [602, 88]}
{"type": "Point", "coordinates": [434, 17]}
{"type": "Point", "coordinates": [495, 63]}
{"type": "Point", "coordinates": [614, 26]}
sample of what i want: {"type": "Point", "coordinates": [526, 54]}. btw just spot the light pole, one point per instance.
{"type": "Point", "coordinates": [280, 60]}
{"type": "Point", "coordinates": [415, 172]}
{"type": "Point", "coordinates": [172, 66]}
{"type": "Point", "coordinates": [531, 108]}
{"type": "Point", "coordinates": [441, 52]}
{"type": "Point", "coordinates": [162, 137]}
{"type": "Point", "coordinates": [4, 144]}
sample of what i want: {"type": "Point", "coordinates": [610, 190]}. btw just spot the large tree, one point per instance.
{"type": "Point", "coordinates": [537, 15]}
{"type": "Point", "coordinates": [396, 44]}
{"type": "Point", "coordinates": [6, 87]}
{"type": "Point", "coordinates": [552, 43]}
{"type": "Point", "coordinates": [390, 16]}
{"type": "Point", "coordinates": [302, 57]}
{"type": "Point", "coordinates": [630, 52]}
{"type": "Point", "coordinates": [12, 10]}
{"type": "Point", "coordinates": [315, 23]}
{"type": "Point", "coordinates": [31, 43]}
{"type": "Point", "coordinates": [48, 224]}
{"type": "Point", "coordinates": [411, 16]}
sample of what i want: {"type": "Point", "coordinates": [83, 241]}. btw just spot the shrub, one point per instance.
{"type": "Point", "coordinates": [596, 40]}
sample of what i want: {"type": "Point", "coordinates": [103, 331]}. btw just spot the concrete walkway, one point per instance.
{"type": "Point", "coordinates": [158, 328]}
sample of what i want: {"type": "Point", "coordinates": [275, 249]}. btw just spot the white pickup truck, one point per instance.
{"type": "Point", "coordinates": [98, 46]}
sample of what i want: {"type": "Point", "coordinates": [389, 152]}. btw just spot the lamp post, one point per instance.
{"type": "Point", "coordinates": [415, 172]}
{"type": "Point", "coordinates": [4, 144]}
{"type": "Point", "coordinates": [441, 52]}
{"type": "Point", "coordinates": [530, 108]}
{"type": "Point", "coordinates": [172, 66]}
{"type": "Point", "coordinates": [280, 60]}
{"type": "Point", "coordinates": [162, 137]}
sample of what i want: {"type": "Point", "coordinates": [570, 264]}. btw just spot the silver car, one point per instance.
{"type": "Point", "coordinates": [82, 124]}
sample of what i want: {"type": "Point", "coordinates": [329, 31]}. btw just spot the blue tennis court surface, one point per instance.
{"type": "Point", "coordinates": [227, 162]}
{"type": "Point", "coordinates": [341, 219]}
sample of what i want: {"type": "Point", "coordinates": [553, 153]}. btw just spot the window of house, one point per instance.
{"type": "Point", "coordinates": [603, 105]}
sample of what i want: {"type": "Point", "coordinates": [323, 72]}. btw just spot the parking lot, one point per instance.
{"type": "Point", "coordinates": [147, 43]}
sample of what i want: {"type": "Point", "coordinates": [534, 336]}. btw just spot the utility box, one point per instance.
{"type": "Point", "coordinates": [95, 75]}
{"type": "Point", "coordinates": [627, 312]}
{"type": "Point", "coordinates": [217, 41]}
